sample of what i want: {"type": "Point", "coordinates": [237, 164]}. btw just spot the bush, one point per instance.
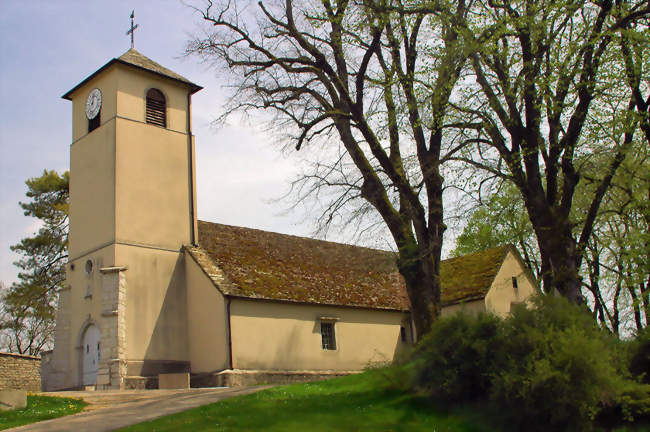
{"type": "Point", "coordinates": [560, 370]}
{"type": "Point", "coordinates": [547, 367]}
{"type": "Point", "coordinates": [454, 362]}
{"type": "Point", "coordinates": [639, 356]}
{"type": "Point", "coordinates": [632, 405]}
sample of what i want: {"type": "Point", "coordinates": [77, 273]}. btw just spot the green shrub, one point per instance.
{"type": "Point", "coordinates": [560, 371]}
{"type": "Point", "coordinates": [546, 367]}
{"type": "Point", "coordinates": [631, 405]}
{"type": "Point", "coordinates": [454, 362]}
{"type": "Point", "coordinates": [639, 356]}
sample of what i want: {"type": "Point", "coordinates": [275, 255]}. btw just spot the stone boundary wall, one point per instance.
{"type": "Point", "coordinates": [20, 372]}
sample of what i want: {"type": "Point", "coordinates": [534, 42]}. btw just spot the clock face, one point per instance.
{"type": "Point", "coordinates": [93, 103]}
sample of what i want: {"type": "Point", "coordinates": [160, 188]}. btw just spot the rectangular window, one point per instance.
{"type": "Point", "coordinates": [514, 282]}
{"type": "Point", "coordinates": [402, 334]}
{"type": "Point", "coordinates": [327, 334]}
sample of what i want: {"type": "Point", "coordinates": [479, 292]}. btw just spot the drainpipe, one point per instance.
{"type": "Point", "coordinates": [190, 154]}
{"type": "Point", "coordinates": [232, 366]}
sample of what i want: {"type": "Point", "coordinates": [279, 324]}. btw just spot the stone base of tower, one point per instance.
{"type": "Point", "coordinates": [112, 366]}
{"type": "Point", "coordinates": [112, 375]}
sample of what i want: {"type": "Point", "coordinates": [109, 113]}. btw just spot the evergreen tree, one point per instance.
{"type": "Point", "coordinates": [29, 305]}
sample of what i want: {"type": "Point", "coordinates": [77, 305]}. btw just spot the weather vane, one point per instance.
{"type": "Point", "coordinates": [133, 27]}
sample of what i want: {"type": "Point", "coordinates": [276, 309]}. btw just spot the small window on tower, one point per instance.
{"type": "Point", "coordinates": [89, 267]}
{"type": "Point", "coordinates": [93, 123]}
{"type": "Point", "coordinates": [156, 108]}
{"type": "Point", "coordinates": [514, 282]}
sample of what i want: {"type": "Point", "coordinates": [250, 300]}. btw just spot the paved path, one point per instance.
{"type": "Point", "coordinates": [110, 410]}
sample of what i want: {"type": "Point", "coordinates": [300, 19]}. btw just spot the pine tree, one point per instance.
{"type": "Point", "coordinates": [29, 305]}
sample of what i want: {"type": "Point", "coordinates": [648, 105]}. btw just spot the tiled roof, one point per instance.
{"type": "Point", "coordinates": [245, 262]}
{"type": "Point", "coordinates": [470, 276]}
{"type": "Point", "coordinates": [134, 58]}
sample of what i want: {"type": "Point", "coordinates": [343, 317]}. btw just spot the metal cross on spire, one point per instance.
{"type": "Point", "coordinates": [133, 27]}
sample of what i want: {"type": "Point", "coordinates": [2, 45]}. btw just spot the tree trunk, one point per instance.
{"type": "Point", "coordinates": [564, 276]}
{"type": "Point", "coordinates": [636, 306]}
{"type": "Point", "coordinates": [422, 276]}
{"type": "Point", "coordinates": [645, 300]}
{"type": "Point", "coordinates": [558, 250]}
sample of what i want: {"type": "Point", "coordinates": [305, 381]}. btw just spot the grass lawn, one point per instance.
{"type": "Point", "coordinates": [40, 408]}
{"type": "Point", "coordinates": [362, 402]}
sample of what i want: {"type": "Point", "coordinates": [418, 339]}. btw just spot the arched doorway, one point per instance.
{"type": "Point", "coordinates": [90, 354]}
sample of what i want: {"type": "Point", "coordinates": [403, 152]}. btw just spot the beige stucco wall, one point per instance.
{"type": "Point", "coordinates": [284, 336]}
{"type": "Point", "coordinates": [130, 181]}
{"type": "Point", "coordinates": [474, 307]}
{"type": "Point", "coordinates": [153, 185]}
{"type": "Point", "coordinates": [123, 91]}
{"type": "Point", "coordinates": [207, 324]}
{"type": "Point", "coordinates": [502, 294]}
{"type": "Point", "coordinates": [156, 306]}
{"type": "Point", "coordinates": [132, 87]}
{"type": "Point", "coordinates": [80, 305]}
{"type": "Point", "coordinates": [92, 195]}
{"type": "Point", "coordinates": [106, 82]}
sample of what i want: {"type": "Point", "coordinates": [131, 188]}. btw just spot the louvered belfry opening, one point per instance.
{"type": "Point", "coordinates": [156, 108]}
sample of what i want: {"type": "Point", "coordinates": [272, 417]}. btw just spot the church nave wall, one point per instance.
{"type": "Point", "coordinates": [207, 321]}
{"type": "Point", "coordinates": [283, 336]}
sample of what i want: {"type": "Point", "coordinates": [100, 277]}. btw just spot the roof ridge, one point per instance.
{"type": "Point", "coordinates": [301, 237]}
{"type": "Point", "coordinates": [505, 247]}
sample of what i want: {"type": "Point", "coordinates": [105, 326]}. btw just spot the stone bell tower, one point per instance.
{"type": "Point", "coordinates": [122, 317]}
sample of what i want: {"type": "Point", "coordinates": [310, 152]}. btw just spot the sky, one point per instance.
{"type": "Point", "coordinates": [47, 47]}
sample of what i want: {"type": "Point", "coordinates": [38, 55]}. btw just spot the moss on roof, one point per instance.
{"type": "Point", "coordinates": [250, 263]}
{"type": "Point", "coordinates": [470, 276]}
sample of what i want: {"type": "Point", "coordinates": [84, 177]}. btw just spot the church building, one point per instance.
{"type": "Point", "coordinates": [151, 290]}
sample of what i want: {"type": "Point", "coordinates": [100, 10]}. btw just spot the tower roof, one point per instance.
{"type": "Point", "coordinates": [135, 59]}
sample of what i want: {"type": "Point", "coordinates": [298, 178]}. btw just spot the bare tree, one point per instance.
{"type": "Point", "coordinates": [24, 333]}
{"type": "Point", "coordinates": [541, 82]}
{"type": "Point", "coordinates": [367, 84]}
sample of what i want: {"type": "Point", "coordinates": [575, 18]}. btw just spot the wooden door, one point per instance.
{"type": "Point", "coordinates": [91, 354]}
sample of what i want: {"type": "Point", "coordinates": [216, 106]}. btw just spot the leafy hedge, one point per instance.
{"type": "Point", "coordinates": [546, 367]}
{"type": "Point", "coordinates": [639, 355]}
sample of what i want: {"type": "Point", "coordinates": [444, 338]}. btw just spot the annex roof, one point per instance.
{"type": "Point", "coordinates": [250, 263]}
{"type": "Point", "coordinates": [135, 59]}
